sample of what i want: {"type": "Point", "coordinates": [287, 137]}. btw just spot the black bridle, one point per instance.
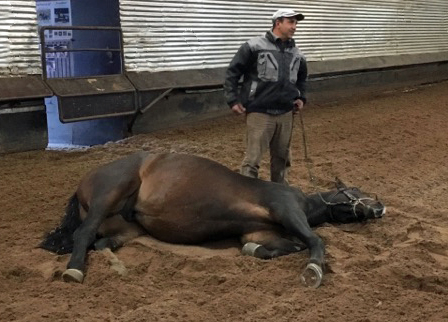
{"type": "Point", "coordinates": [353, 201]}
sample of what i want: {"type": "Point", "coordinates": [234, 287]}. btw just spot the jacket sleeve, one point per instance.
{"type": "Point", "coordinates": [239, 65]}
{"type": "Point", "coordinates": [301, 80]}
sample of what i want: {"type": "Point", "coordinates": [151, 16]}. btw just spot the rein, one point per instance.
{"type": "Point", "coordinates": [353, 201]}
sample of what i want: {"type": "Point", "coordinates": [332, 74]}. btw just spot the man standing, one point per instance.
{"type": "Point", "coordinates": [274, 75]}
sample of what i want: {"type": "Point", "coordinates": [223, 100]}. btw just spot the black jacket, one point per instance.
{"type": "Point", "coordinates": [274, 73]}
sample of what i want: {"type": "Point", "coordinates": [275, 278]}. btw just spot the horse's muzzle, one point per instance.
{"type": "Point", "coordinates": [380, 212]}
{"type": "Point", "coordinates": [376, 211]}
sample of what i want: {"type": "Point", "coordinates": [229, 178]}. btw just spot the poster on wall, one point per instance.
{"type": "Point", "coordinates": [55, 13]}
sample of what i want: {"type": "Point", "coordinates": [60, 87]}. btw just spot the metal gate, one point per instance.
{"type": "Point", "coordinates": [85, 97]}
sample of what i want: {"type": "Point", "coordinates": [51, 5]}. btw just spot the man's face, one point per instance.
{"type": "Point", "coordinates": [287, 28]}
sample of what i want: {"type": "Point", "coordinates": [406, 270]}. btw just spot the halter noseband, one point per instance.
{"type": "Point", "coordinates": [353, 201]}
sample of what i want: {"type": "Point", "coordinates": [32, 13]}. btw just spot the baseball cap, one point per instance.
{"type": "Point", "coordinates": [287, 13]}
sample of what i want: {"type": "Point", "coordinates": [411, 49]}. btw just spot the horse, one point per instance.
{"type": "Point", "coordinates": [187, 199]}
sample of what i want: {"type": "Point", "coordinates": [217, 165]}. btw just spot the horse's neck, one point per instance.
{"type": "Point", "coordinates": [318, 212]}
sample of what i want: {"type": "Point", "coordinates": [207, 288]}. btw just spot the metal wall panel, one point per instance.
{"type": "Point", "coordinates": [191, 34]}
{"type": "Point", "coordinates": [19, 41]}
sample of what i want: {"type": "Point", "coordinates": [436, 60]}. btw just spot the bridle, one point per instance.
{"type": "Point", "coordinates": [353, 201]}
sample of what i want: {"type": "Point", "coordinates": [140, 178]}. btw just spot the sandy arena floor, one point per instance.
{"type": "Point", "coordinates": [393, 269]}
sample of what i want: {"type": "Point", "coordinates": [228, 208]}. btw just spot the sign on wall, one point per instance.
{"type": "Point", "coordinates": [55, 13]}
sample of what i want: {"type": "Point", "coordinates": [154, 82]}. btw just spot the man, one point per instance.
{"type": "Point", "coordinates": [273, 88]}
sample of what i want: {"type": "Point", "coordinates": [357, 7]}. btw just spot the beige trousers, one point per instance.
{"type": "Point", "coordinates": [273, 132]}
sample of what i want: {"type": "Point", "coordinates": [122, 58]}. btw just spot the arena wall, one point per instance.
{"type": "Point", "coordinates": [175, 54]}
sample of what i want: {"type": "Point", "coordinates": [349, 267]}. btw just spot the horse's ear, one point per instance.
{"type": "Point", "coordinates": [339, 184]}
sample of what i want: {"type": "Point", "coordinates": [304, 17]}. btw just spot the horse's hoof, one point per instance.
{"type": "Point", "coordinates": [73, 275]}
{"type": "Point", "coordinates": [312, 276]}
{"type": "Point", "coordinates": [249, 248]}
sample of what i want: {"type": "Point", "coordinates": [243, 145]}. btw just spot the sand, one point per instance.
{"type": "Point", "coordinates": [392, 144]}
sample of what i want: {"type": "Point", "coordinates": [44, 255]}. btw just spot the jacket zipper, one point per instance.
{"type": "Point", "coordinates": [283, 73]}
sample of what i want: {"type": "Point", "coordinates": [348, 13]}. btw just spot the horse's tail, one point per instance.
{"type": "Point", "coordinates": [60, 239]}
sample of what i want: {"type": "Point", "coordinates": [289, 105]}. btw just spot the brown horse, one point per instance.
{"type": "Point", "coordinates": [187, 199]}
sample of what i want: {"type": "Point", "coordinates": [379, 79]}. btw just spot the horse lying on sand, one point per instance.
{"type": "Point", "coordinates": [179, 198]}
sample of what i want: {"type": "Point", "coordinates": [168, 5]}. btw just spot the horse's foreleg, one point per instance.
{"type": "Point", "coordinates": [295, 221]}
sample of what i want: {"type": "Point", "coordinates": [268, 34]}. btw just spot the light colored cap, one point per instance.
{"type": "Point", "coordinates": [287, 13]}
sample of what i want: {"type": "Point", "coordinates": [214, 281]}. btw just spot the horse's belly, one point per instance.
{"type": "Point", "coordinates": [184, 230]}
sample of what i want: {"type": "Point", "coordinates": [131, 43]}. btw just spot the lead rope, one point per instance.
{"type": "Point", "coordinates": [308, 161]}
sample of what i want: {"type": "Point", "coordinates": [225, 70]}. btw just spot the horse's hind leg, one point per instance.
{"type": "Point", "coordinates": [267, 245]}
{"type": "Point", "coordinates": [116, 232]}
{"type": "Point", "coordinates": [83, 237]}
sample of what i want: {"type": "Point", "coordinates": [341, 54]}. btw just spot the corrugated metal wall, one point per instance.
{"type": "Point", "coordinates": [174, 35]}
{"type": "Point", "coordinates": [350, 28]}
{"type": "Point", "coordinates": [19, 42]}
{"type": "Point", "coordinates": [189, 34]}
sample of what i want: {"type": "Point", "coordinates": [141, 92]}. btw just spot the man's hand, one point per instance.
{"type": "Point", "coordinates": [238, 109]}
{"type": "Point", "coordinates": [298, 105]}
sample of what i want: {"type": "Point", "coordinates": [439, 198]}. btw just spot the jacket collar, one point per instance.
{"type": "Point", "coordinates": [276, 40]}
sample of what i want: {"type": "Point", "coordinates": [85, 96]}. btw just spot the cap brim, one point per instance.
{"type": "Point", "coordinates": [298, 16]}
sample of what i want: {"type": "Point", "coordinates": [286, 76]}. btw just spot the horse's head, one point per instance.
{"type": "Point", "coordinates": [350, 204]}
